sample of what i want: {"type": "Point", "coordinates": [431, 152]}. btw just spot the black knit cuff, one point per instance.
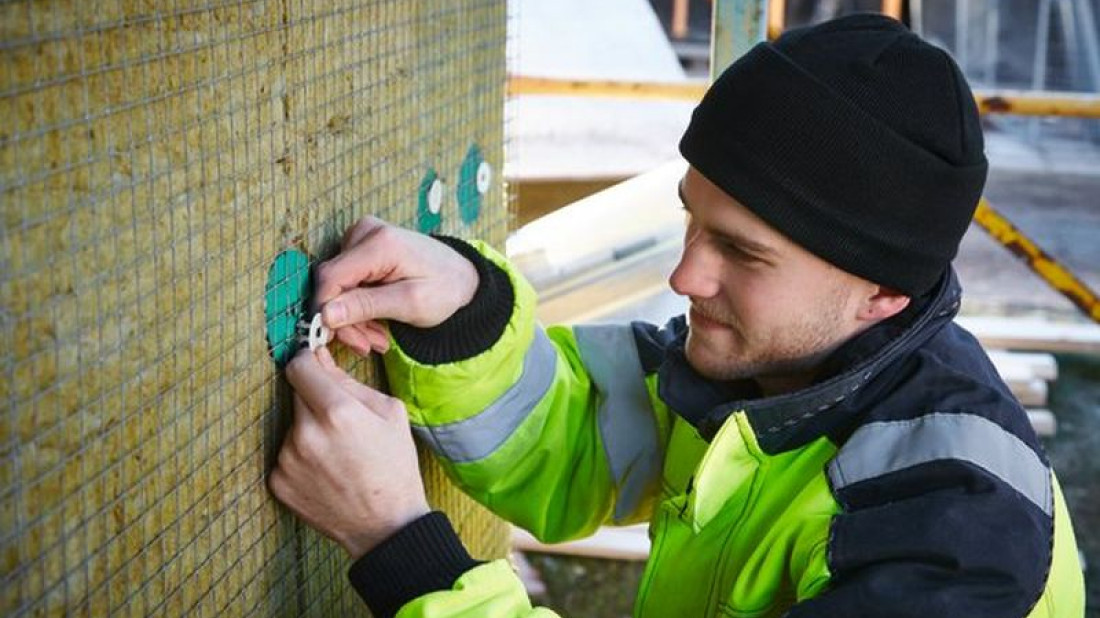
{"type": "Point", "coordinates": [473, 328]}
{"type": "Point", "coordinates": [424, 556]}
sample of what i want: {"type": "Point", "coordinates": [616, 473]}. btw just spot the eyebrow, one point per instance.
{"type": "Point", "coordinates": [742, 242]}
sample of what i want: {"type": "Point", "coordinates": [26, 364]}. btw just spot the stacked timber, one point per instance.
{"type": "Point", "coordinates": [1029, 375]}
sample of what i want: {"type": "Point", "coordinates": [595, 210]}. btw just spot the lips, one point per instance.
{"type": "Point", "coordinates": [700, 321]}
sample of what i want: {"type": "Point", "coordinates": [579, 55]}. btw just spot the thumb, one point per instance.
{"type": "Point", "coordinates": [391, 301]}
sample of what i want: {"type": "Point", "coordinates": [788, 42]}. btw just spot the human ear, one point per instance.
{"type": "Point", "coordinates": [882, 304]}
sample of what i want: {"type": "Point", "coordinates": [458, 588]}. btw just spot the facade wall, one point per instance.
{"type": "Point", "coordinates": [155, 158]}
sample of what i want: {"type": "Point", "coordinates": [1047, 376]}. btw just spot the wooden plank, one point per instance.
{"type": "Point", "coordinates": [1030, 393]}
{"type": "Point", "coordinates": [625, 543]}
{"type": "Point", "coordinates": [600, 229]}
{"type": "Point", "coordinates": [537, 197]}
{"type": "Point", "coordinates": [1043, 422]}
{"type": "Point", "coordinates": [1033, 334]}
{"type": "Point", "coordinates": [528, 574]}
{"type": "Point", "coordinates": [1014, 365]}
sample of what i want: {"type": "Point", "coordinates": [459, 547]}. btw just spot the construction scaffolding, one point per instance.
{"type": "Point", "coordinates": [739, 24]}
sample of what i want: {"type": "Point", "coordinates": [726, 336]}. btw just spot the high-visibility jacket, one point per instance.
{"type": "Point", "coordinates": [905, 482]}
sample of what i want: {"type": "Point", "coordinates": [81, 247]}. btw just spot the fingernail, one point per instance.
{"type": "Point", "coordinates": [335, 313]}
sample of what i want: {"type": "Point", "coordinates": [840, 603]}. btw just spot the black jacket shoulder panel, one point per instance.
{"type": "Point", "coordinates": [943, 538]}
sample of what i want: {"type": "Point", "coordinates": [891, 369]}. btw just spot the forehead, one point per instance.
{"type": "Point", "coordinates": [719, 211]}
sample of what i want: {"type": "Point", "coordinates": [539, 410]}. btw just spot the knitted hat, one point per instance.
{"type": "Point", "coordinates": [856, 140]}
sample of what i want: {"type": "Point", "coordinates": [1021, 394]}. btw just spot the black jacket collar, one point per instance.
{"type": "Point", "coordinates": [790, 420]}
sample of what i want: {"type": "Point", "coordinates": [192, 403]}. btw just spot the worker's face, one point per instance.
{"type": "Point", "coordinates": [761, 306]}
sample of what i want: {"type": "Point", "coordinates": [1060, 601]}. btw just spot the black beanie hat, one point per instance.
{"type": "Point", "coordinates": [855, 139]}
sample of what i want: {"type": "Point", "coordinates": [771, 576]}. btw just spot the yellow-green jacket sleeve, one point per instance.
{"type": "Point", "coordinates": [555, 430]}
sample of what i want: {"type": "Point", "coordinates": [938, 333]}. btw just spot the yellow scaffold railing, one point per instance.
{"type": "Point", "coordinates": [1018, 102]}
{"type": "Point", "coordinates": [1057, 276]}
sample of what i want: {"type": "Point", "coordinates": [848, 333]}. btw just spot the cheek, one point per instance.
{"type": "Point", "coordinates": [765, 306]}
{"type": "Point", "coordinates": [756, 299]}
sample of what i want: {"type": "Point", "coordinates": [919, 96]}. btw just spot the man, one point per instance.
{"type": "Point", "coordinates": [816, 438]}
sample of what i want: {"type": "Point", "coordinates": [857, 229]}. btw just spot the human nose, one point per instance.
{"type": "Point", "coordinates": [696, 273]}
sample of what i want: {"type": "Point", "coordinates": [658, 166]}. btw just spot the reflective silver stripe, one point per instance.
{"type": "Point", "coordinates": [479, 436]}
{"type": "Point", "coordinates": [626, 418]}
{"type": "Point", "coordinates": [880, 448]}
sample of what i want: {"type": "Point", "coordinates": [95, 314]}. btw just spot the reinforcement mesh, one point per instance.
{"type": "Point", "coordinates": [156, 157]}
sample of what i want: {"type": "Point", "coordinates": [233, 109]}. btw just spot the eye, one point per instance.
{"type": "Point", "coordinates": [733, 251]}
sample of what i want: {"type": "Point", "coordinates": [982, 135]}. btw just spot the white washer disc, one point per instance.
{"type": "Point", "coordinates": [435, 196]}
{"type": "Point", "coordinates": [484, 177]}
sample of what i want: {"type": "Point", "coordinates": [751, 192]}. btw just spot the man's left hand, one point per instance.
{"type": "Point", "coordinates": [348, 466]}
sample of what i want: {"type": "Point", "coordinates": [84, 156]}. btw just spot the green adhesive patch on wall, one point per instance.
{"type": "Point", "coordinates": [288, 287]}
{"type": "Point", "coordinates": [429, 204]}
{"type": "Point", "coordinates": [469, 193]}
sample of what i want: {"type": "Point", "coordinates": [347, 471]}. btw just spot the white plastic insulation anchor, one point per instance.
{"type": "Point", "coordinates": [435, 196]}
{"type": "Point", "coordinates": [484, 177]}
{"type": "Point", "coordinates": [316, 334]}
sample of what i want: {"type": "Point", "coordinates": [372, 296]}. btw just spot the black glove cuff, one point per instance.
{"type": "Point", "coordinates": [424, 556]}
{"type": "Point", "coordinates": [472, 329]}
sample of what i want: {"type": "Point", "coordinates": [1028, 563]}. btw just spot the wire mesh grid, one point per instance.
{"type": "Point", "coordinates": [154, 159]}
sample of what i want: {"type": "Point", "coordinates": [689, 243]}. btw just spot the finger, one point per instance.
{"type": "Point", "coordinates": [393, 301]}
{"type": "Point", "coordinates": [378, 325]}
{"type": "Point", "coordinates": [375, 333]}
{"type": "Point", "coordinates": [362, 228]}
{"type": "Point", "coordinates": [302, 414]}
{"type": "Point", "coordinates": [325, 358]}
{"type": "Point", "coordinates": [365, 262]}
{"type": "Point", "coordinates": [279, 484]}
{"type": "Point", "coordinates": [378, 336]}
{"type": "Point", "coordinates": [329, 363]}
{"type": "Point", "coordinates": [370, 397]}
{"type": "Point", "coordinates": [318, 387]}
{"type": "Point", "coordinates": [374, 399]}
{"type": "Point", "coordinates": [338, 373]}
{"type": "Point", "coordinates": [284, 488]}
{"type": "Point", "coordinates": [354, 339]}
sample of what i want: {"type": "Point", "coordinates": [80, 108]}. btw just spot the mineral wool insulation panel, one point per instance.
{"type": "Point", "coordinates": [155, 159]}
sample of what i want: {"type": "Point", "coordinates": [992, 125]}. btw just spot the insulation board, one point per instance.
{"type": "Point", "coordinates": [155, 158]}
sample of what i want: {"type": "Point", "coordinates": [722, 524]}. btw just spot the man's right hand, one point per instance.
{"type": "Point", "coordinates": [385, 272]}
